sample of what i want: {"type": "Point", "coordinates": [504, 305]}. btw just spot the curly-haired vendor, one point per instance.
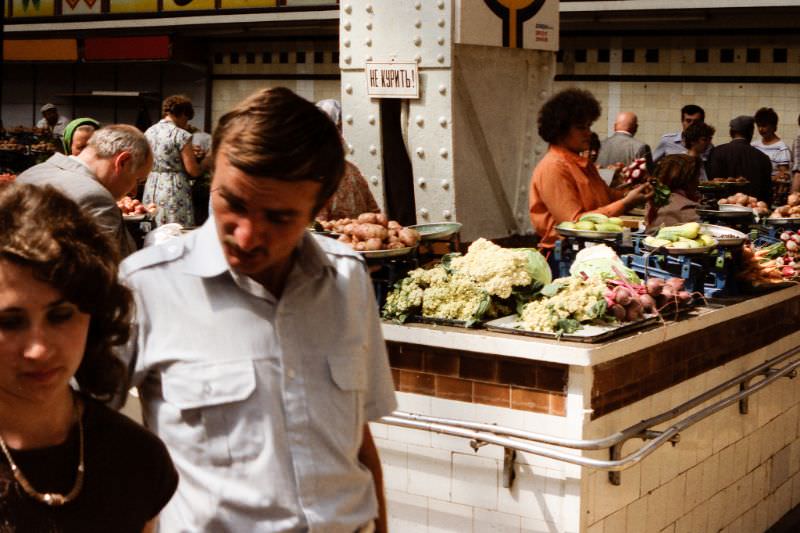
{"type": "Point", "coordinates": [565, 185]}
{"type": "Point", "coordinates": [67, 461]}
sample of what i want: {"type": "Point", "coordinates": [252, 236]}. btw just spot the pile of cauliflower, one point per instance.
{"type": "Point", "coordinates": [578, 300]}
{"type": "Point", "coordinates": [468, 288]}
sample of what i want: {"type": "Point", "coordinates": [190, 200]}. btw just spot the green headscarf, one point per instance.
{"type": "Point", "coordinates": [69, 131]}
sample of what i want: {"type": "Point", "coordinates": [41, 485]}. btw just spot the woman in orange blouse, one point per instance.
{"type": "Point", "coordinates": [566, 185]}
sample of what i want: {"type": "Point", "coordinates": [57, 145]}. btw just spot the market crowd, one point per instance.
{"type": "Point", "coordinates": [252, 423]}
{"type": "Point", "coordinates": [255, 346]}
{"type": "Point", "coordinates": [581, 174]}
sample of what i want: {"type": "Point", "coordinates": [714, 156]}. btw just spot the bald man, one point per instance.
{"type": "Point", "coordinates": [622, 147]}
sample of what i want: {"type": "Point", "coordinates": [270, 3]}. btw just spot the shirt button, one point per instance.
{"type": "Point", "coordinates": [290, 373]}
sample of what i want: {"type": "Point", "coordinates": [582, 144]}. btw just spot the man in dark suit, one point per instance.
{"type": "Point", "coordinates": [738, 158]}
{"type": "Point", "coordinates": [115, 160]}
{"type": "Point", "coordinates": [622, 147]}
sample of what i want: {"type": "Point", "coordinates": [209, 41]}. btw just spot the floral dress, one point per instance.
{"type": "Point", "coordinates": [168, 183]}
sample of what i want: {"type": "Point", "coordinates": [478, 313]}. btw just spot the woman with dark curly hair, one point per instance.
{"type": "Point", "coordinates": [67, 462]}
{"type": "Point", "coordinates": [174, 162]}
{"type": "Point", "coordinates": [565, 185]}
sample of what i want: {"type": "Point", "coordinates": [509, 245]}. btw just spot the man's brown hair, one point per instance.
{"type": "Point", "coordinates": [276, 134]}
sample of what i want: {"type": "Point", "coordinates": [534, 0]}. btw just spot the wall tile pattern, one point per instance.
{"type": "Point", "coordinates": [478, 378]}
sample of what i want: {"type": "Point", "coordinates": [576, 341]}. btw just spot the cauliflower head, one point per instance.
{"type": "Point", "coordinates": [577, 300]}
{"type": "Point", "coordinates": [459, 298]}
{"type": "Point", "coordinates": [497, 270]}
{"type": "Point", "coordinates": [403, 300]}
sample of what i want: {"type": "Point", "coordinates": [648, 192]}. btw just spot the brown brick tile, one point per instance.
{"type": "Point", "coordinates": [530, 400]}
{"type": "Point", "coordinates": [478, 368]}
{"type": "Point", "coordinates": [558, 404]}
{"type": "Point", "coordinates": [453, 388]}
{"type": "Point", "coordinates": [491, 394]}
{"type": "Point", "coordinates": [522, 374]}
{"type": "Point", "coordinates": [417, 382]}
{"type": "Point", "coordinates": [407, 358]}
{"type": "Point", "coordinates": [552, 377]}
{"type": "Point", "coordinates": [442, 362]}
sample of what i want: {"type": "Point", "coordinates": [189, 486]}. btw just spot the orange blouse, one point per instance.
{"type": "Point", "coordinates": [564, 186]}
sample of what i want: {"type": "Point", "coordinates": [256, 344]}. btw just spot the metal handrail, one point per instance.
{"type": "Point", "coordinates": [515, 440]}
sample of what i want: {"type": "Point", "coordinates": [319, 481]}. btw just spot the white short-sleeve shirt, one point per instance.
{"type": "Point", "coordinates": [261, 402]}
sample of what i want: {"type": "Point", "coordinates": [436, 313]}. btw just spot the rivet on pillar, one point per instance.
{"type": "Point", "coordinates": [421, 182]}
{"type": "Point", "coordinates": [420, 120]}
{"type": "Point", "coordinates": [443, 152]}
{"type": "Point", "coordinates": [373, 180]}
{"type": "Point", "coordinates": [373, 149]}
{"type": "Point", "coordinates": [423, 212]}
{"type": "Point", "coordinates": [421, 152]}
{"type": "Point", "coordinates": [348, 119]}
{"type": "Point", "coordinates": [445, 184]}
{"type": "Point", "coordinates": [442, 89]}
{"type": "Point", "coordinates": [443, 122]}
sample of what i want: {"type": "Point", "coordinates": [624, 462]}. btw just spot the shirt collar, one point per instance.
{"type": "Point", "coordinates": [623, 132]}
{"type": "Point", "coordinates": [207, 259]}
{"type": "Point", "coordinates": [571, 156]}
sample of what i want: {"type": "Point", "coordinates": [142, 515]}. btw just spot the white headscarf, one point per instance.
{"type": "Point", "coordinates": [333, 109]}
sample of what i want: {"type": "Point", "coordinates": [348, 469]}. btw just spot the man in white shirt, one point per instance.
{"type": "Point", "coordinates": [672, 143]}
{"type": "Point", "coordinates": [52, 120]}
{"type": "Point", "coordinates": [259, 356]}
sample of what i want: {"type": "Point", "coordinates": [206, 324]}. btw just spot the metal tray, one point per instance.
{"type": "Point", "coordinates": [382, 254]}
{"type": "Point", "coordinates": [726, 214]}
{"type": "Point", "coordinates": [134, 218]}
{"type": "Point", "coordinates": [436, 230]}
{"type": "Point", "coordinates": [679, 251]}
{"type": "Point", "coordinates": [591, 234]}
{"type": "Point", "coordinates": [782, 221]}
{"type": "Point", "coordinates": [445, 322]}
{"type": "Point", "coordinates": [716, 231]}
{"type": "Point", "coordinates": [736, 208]}
{"type": "Point", "coordinates": [591, 333]}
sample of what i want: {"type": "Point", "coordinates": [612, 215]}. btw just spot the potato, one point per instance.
{"type": "Point", "coordinates": [345, 238]}
{"type": "Point", "coordinates": [369, 231]}
{"type": "Point", "coordinates": [408, 236]}
{"type": "Point", "coordinates": [393, 224]}
{"type": "Point", "coordinates": [381, 219]}
{"type": "Point", "coordinates": [373, 244]}
{"type": "Point", "coordinates": [392, 233]}
{"type": "Point", "coordinates": [368, 218]}
{"type": "Point", "coordinates": [395, 245]}
{"type": "Point", "coordinates": [360, 247]}
{"type": "Point", "coordinates": [794, 199]}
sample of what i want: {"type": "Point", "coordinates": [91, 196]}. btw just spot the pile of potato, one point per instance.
{"type": "Point", "coordinates": [790, 210]}
{"type": "Point", "coordinates": [132, 206]}
{"type": "Point", "coordinates": [371, 232]}
{"type": "Point", "coordinates": [7, 177]}
{"type": "Point", "coordinates": [12, 145]}
{"type": "Point", "coordinates": [761, 208]}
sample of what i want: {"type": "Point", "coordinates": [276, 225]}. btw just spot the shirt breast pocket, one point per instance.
{"type": "Point", "coordinates": [346, 402]}
{"type": "Point", "coordinates": [221, 425]}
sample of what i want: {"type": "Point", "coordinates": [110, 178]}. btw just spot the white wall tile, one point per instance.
{"type": "Point", "coordinates": [531, 525]}
{"type": "Point", "coordinates": [611, 498]}
{"type": "Point", "coordinates": [407, 513]}
{"type": "Point", "coordinates": [657, 508]}
{"type": "Point", "coordinates": [429, 472]}
{"type": "Point", "coordinates": [694, 487]}
{"type": "Point", "coordinates": [710, 471]}
{"type": "Point", "coordinates": [446, 517]}
{"type": "Point", "coordinates": [394, 463]}
{"type": "Point", "coordinates": [494, 522]}
{"type": "Point", "coordinates": [475, 481]}
{"type": "Point", "coordinates": [617, 521]}
{"type": "Point", "coordinates": [636, 515]}
{"type": "Point", "coordinates": [527, 495]}
{"type": "Point", "coordinates": [676, 497]}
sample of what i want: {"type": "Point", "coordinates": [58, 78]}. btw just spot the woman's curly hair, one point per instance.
{"type": "Point", "coordinates": [567, 108]}
{"type": "Point", "coordinates": [679, 172]}
{"type": "Point", "coordinates": [177, 105]}
{"type": "Point", "coordinates": [45, 231]}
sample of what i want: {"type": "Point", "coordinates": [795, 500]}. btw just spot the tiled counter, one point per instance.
{"type": "Point", "coordinates": [732, 471]}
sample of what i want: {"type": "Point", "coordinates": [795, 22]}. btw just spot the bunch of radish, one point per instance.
{"type": "Point", "coordinates": [628, 302]}
{"type": "Point", "coordinates": [789, 263]}
{"type": "Point", "coordinates": [636, 171]}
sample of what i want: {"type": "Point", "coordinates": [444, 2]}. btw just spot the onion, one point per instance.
{"type": "Point", "coordinates": [622, 296]}
{"type": "Point", "coordinates": [668, 292]}
{"type": "Point", "coordinates": [634, 311]}
{"type": "Point", "coordinates": [618, 312]}
{"type": "Point", "coordinates": [785, 236]}
{"type": "Point", "coordinates": [675, 283]}
{"type": "Point", "coordinates": [791, 245]}
{"type": "Point", "coordinates": [684, 297]}
{"type": "Point", "coordinates": [654, 286]}
{"type": "Point", "coordinates": [648, 303]}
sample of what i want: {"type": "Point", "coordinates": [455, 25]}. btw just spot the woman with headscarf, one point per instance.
{"type": "Point", "coordinates": [679, 172]}
{"type": "Point", "coordinates": [353, 196]}
{"type": "Point", "coordinates": [174, 162]}
{"type": "Point", "coordinates": [77, 134]}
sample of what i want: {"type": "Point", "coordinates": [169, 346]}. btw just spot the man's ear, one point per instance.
{"type": "Point", "coordinates": [121, 160]}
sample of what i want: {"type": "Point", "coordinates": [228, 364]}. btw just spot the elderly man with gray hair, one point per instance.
{"type": "Point", "coordinates": [115, 160]}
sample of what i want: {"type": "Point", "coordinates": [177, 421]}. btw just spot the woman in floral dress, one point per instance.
{"type": "Point", "coordinates": [174, 162]}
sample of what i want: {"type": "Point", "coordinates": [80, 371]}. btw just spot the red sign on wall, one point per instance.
{"type": "Point", "coordinates": [115, 48]}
